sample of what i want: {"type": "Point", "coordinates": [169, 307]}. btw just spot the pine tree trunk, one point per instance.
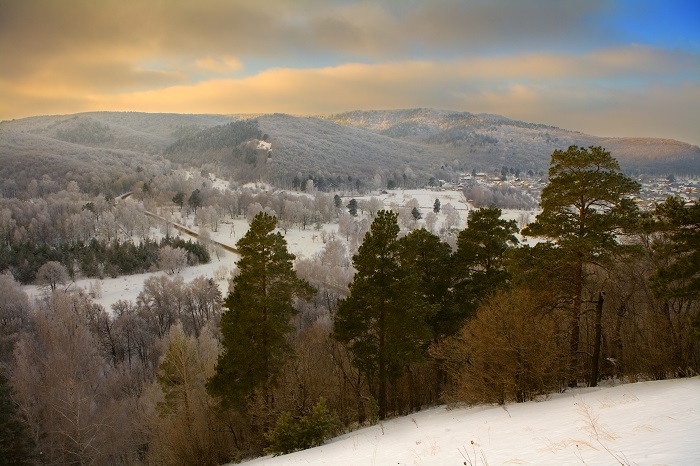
{"type": "Point", "coordinates": [382, 366]}
{"type": "Point", "coordinates": [595, 364]}
{"type": "Point", "coordinates": [575, 327]}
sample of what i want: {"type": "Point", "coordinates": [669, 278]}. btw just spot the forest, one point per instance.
{"type": "Point", "coordinates": [387, 319]}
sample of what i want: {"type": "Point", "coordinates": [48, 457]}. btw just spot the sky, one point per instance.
{"type": "Point", "coordinates": [603, 67]}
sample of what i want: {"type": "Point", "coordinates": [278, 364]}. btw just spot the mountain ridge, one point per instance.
{"type": "Point", "coordinates": [368, 148]}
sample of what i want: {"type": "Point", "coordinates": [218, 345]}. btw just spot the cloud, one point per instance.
{"type": "Point", "coordinates": [36, 30]}
{"type": "Point", "coordinates": [223, 65]}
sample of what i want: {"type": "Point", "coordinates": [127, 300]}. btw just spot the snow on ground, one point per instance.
{"type": "Point", "coordinates": [425, 198]}
{"type": "Point", "coordinates": [649, 423]}
{"type": "Point", "coordinates": [302, 243]}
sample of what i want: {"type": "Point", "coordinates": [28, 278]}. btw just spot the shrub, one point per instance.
{"type": "Point", "coordinates": [312, 430]}
{"type": "Point", "coordinates": [508, 352]}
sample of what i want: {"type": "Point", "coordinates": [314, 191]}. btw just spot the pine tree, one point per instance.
{"type": "Point", "coordinates": [676, 280]}
{"type": "Point", "coordinates": [416, 213]}
{"type": "Point", "coordinates": [179, 199]}
{"type": "Point", "coordinates": [427, 258]}
{"type": "Point", "coordinates": [384, 320]}
{"type": "Point", "coordinates": [478, 262]}
{"type": "Point", "coordinates": [680, 278]}
{"type": "Point", "coordinates": [195, 200]}
{"type": "Point", "coordinates": [436, 206]}
{"type": "Point", "coordinates": [352, 207]}
{"type": "Point", "coordinates": [257, 321]}
{"type": "Point", "coordinates": [585, 206]}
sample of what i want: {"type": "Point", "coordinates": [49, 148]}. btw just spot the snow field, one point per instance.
{"type": "Point", "coordinates": [648, 423]}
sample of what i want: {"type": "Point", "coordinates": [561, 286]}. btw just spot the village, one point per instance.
{"type": "Point", "coordinates": [654, 189]}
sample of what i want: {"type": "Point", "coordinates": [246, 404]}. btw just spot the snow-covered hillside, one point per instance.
{"type": "Point", "coordinates": [649, 423]}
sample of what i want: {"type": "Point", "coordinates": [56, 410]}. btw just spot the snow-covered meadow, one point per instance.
{"type": "Point", "coordinates": [646, 423]}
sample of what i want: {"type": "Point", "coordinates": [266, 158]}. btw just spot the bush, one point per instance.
{"type": "Point", "coordinates": [312, 430]}
{"type": "Point", "coordinates": [508, 352]}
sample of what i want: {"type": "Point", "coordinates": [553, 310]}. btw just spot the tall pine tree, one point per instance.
{"type": "Point", "coordinates": [680, 277]}
{"type": "Point", "coordinates": [384, 321]}
{"type": "Point", "coordinates": [585, 205]}
{"type": "Point", "coordinates": [426, 258]}
{"type": "Point", "coordinates": [676, 281]}
{"type": "Point", "coordinates": [257, 321]}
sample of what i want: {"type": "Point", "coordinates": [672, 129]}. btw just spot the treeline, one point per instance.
{"type": "Point", "coordinates": [92, 236]}
{"type": "Point", "coordinates": [100, 258]}
{"type": "Point", "coordinates": [98, 236]}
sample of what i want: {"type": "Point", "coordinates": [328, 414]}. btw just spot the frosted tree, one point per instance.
{"type": "Point", "coordinates": [51, 275]}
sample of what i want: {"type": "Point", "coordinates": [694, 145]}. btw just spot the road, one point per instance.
{"type": "Point", "coordinates": [180, 228]}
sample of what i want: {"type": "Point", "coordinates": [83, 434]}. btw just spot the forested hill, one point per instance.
{"type": "Point", "coordinates": [486, 139]}
{"type": "Point", "coordinates": [362, 148]}
{"type": "Point", "coordinates": [338, 155]}
{"type": "Point", "coordinates": [101, 151]}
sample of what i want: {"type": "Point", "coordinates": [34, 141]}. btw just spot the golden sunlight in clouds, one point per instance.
{"type": "Point", "coordinates": [512, 86]}
{"type": "Point", "coordinates": [530, 88]}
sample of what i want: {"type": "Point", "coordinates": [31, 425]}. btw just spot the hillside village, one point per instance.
{"type": "Point", "coordinates": [654, 189]}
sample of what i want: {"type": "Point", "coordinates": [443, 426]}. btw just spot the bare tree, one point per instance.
{"type": "Point", "coordinates": [185, 427]}
{"type": "Point", "coordinates": [161, 303]}
{"type": "Point", "coordinates": [64, 388]}
{"type": "Point", "coordinates": [452, 218]}
{"type": "Point", "coordinates": [202, 304]}
{"type": "Point", "coordinates": [14, 316]}
{"type": "Point", "coordinates": [371, 206]}
{"type": "Point", "coordinates": [430, 221]}
{"type": "Point", "coordinates": [509, 352]}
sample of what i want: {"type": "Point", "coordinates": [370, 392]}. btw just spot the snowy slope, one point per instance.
{"type": "Point", "coordinates": [649, 423]}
